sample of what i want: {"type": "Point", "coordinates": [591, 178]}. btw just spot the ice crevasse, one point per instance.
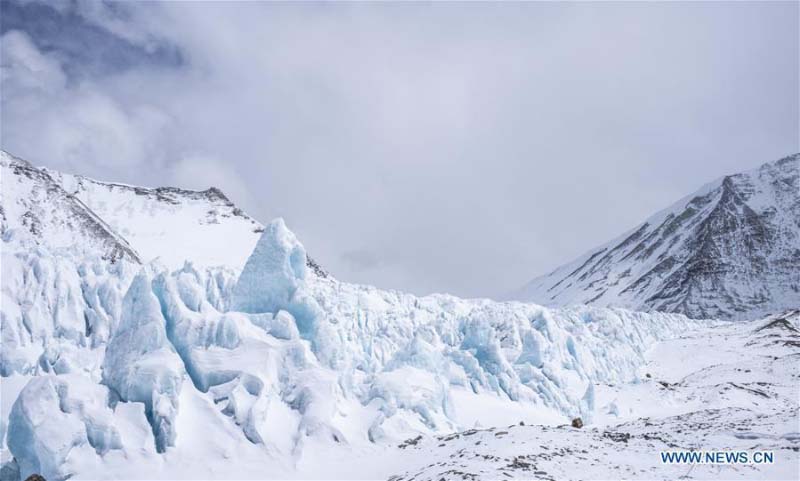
{"type": "Point", "coordinates": [283, 357]}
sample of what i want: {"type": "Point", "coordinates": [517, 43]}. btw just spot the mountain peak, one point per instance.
{"type": "Point", "coordinates": [170, 224]}
{"type": "Point", "coordinates": [36, 210]}
{"type": "Point", "coordinates": [729, 250]}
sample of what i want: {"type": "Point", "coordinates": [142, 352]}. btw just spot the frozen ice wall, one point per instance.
{"type": "Point", "coordinates": [141, 364]}
{"type": "Point", "coordinates": [281, 361]}
{"type": "Point", "coordinates": [274, 277]}
{"type": "Point", "coordinates": [55, 418]}
{"type": "Point", "coordinates": [55, 306]}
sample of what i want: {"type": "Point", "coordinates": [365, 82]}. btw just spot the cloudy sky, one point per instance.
{"type": "Point", "coordinates": [454, 147]}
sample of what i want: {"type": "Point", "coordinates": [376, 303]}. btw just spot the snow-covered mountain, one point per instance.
{"type": "Point", "coordinates": [164, 224]}
{"type": "Point", "coordinates": [169, 224]}
{"type": "Point", "coordinates": [730, 250]}
{"type": "Point", "coordinates": [120, 360]}
{"type": "Point", "coordinates": [37, 211]}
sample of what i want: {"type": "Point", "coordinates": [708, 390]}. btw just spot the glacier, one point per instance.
{"type": "Point", "coordinates": [277, 359]}
{"type": "Point", "coordinates": [213, 347]}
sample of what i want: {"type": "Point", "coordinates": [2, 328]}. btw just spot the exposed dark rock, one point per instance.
{"type": "Point", "coordinates": [410, 442]}
{"type": "Point", "coordinates": [779, 324]}
{"type": "Point", "coordinates": [316, 268]}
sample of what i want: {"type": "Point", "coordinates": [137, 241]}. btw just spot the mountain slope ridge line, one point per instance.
{"type": "Point", "coordinates": [729, 250]}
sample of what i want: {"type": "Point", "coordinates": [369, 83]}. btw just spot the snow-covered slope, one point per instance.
{"type": "Point", "coordinates": [36, 211]}
{"type": "Point", "coordinates": [170, 224]}
{"type": "Point", "coordinates": [730, 250]}
{"type": "Point", "coordinates": [730, 387]}
{"type": "Point", "coordinates": [166, 224]}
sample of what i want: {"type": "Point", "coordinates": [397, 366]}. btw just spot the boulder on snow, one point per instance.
{"type": "Point", "coordinates": [577, 423]}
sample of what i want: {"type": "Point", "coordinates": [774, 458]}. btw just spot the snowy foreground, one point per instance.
{"type": "Point", "coordinates": [725, 388]}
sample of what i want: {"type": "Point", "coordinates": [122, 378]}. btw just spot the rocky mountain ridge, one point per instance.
{"type": "Point", "coordinates": [731, 250]}
{"type": "Point", "coordinates": [170, 224]}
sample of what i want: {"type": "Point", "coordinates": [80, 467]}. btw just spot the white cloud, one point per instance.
{"type": "Point", "coordinates": [80, 128]}
{"type": "Point", "coordinates": [200, 171]}
{"type": "Point", "coordinates": [25, 68]}
{"type": "Point", "coordinates": [468, 147]}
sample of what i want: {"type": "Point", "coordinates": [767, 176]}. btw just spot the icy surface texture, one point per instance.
{"type": "Point", "coordinates": [272, 273]}
{"type": "Point", "coordinates": [56, 308]}
{"type": "Point", "coordinates": [317, 360]}
{"type": "Point", "coordinates": [141, 364]}
{"type": "Point", "coordinates": [272, 277]}
{"type": "Point", "coordinates": [400, 358]}
{"type": "Point", "coordinates": [521, 352]}
{"type": "Point", "coordinates": [52, 418]}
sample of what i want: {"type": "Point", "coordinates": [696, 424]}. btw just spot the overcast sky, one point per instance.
{"type": "Point", "coordinates": [454, 147]}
